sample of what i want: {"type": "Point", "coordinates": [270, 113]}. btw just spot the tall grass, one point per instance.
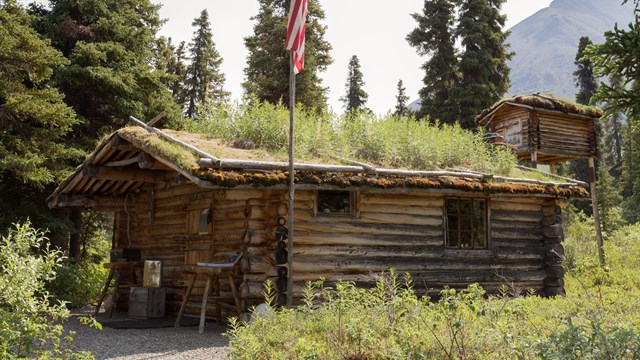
{"type": "Point", "coordinates": [388, 141]}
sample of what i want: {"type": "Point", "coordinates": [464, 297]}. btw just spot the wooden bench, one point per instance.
{"type": "Point", "coordinates": [212, 273]}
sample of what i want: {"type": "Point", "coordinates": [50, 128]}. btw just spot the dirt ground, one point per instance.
{"type": "Point", "coordinates": [153, 343]}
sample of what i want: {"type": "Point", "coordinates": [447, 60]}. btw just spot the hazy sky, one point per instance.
{"type": "Point", "coordinates": [373, 30]}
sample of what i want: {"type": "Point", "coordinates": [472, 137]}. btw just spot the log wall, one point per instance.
{"type": "Point", "coordinates": [400, 231]}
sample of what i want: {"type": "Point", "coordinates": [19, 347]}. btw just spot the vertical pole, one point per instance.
{"type": "Point", "coordinates": [534, 159]}
{"type": "Point", "coordinates": [594, 205]}
{"type": "Point", "coordinates": [292, 104]}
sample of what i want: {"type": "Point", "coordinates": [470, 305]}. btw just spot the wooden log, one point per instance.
{"type": "Point", "coordinates": [432, 238]}
{"type": "Point", "coordinates": [427, 201]}
{"type": "Point", "coordinates": [512, 206]}
{"type": "Point", "coordinates": [127, 174]}
{"type": "Point", "coordinates": [524, 216]}
{"type": "Point", "coordinates": [365, 228]}
{"type": "Point", "coordinates": [399, 209]}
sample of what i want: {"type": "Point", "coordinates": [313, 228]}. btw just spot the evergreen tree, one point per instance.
{"type": "Point", "coordinates": [34, 121]}
{"type": "Point", "coordinates": [178, 68]}
{"type": "Point", "coordinates": [401, 100]}
{"type": "Point", "coordinates": [267, 71]}
{"type": "Point", "coordinates": [110, 76]}
{"type": "Point", "coordinates": [619, 57]}
{"type": "Point", "coordinates": [434, 37]}
{"type": "Point", "coordinates": [483, 62]}
{"type": "Point", "coordinates": [204, 81]}
{"type": "Point", "coordinates": [356, 97]}
{"type": "Point", "coordinates": [585, 80]}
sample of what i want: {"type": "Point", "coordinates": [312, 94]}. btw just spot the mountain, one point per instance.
{"type": "Point", "coordinates": [546, 43]}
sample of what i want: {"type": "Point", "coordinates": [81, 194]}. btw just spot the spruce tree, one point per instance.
{"type": "Point", "coordinates": [178, 69]}
{"type": "Point", "coordinates": [204, 81]}
{"type": "Point", "coordinates": [356, 97]}
{"type": "Point", "coordinates": [434, 37]}
{"type": "Point", "coordinates": [267, 71]}
{"type": "Point", "coordinates": [34, 121]}
{"type": "Point", "coordinates": [110, 76]}
{"type": "Point", "coordinates": [401, 100]}
{"type": "Point", "coordinates": [483, 62]}
{"type": "Point", "coordinates": [619, 57]}
{"type": "Point", "coordinates": [585, 80]}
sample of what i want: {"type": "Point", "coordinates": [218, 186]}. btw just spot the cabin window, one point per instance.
{"type": "Point", "coordinates": [513, 132]}
{"type": "Point", "coordinates": [466, 223]}
{"type": "Point", "coordinates": [336, 202]}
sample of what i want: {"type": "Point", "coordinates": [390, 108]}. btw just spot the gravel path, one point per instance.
{"type": "Point", "coordinates": [162, 343]}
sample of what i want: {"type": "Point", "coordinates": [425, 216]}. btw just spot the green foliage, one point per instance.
{"type": "Point", "coordinates": [30, 326]}
{"type": "Point", "coordinates": [483, 63]}
{"type": "Point", "coordinates": [356, 97]}
{"type": "Point", "coordinates": [401, 101]}
{"type": "Point", "coordinates": [34, 122]}
{"type": "Point", "coordinates": [585, 80]}
{"type": "Point", "coordinates": [110, 76]}
{"type": "Point", "coordinates": [434, 37]}
{"type": "Point", "coordinates": [389, 141]}
{"type": "Point", "coordinates": [78, 284]}
{"type": "Point", "coordinates": [598, 319]}
{"type": "Point", "coordinates": [267, 71]}
{"type": "Point", "coordinates": [204, 81]}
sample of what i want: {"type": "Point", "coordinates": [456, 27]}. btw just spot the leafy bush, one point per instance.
{"type": "Point", "coordinates": [388, 141]}
{"type": "Point", "coordinates": [30, 326]}
{"type": "Point", "coordinates": [77, 284]}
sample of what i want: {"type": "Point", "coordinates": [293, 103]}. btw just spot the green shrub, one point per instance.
{"type": "Point", "coordinates": [77, 285]}
{"type": "Point", "coordinates": [30, 326]}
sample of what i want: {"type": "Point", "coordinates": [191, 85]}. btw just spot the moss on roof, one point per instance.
{"type": "Point", "coordinates": [547, 102]}
{"type": "Point", "coordinates": [342, 180]}
{"type": "Point", "coordinates": [186, 159]}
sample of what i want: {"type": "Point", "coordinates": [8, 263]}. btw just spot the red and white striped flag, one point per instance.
{"type": "Point", "coordinates": [295, 32]}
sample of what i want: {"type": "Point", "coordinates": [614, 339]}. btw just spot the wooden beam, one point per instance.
{"type": "Point", "coordinates": [124, 162]}
{"type": "Point", "coordinates": [97, 202]}
{"type": "Point", "coordinates": [596, 213]}
{"type": "Point", "coordinates": [156, 119]}
{"type": "Point", "coordinates": [127, 174]}
{"type": "Point", "coordinates": [120, 144]}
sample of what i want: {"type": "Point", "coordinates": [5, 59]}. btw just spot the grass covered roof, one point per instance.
{"type": "Point", "coordinates": [546, 102]}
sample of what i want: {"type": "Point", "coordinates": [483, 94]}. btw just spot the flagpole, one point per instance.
{"type": "Point", "coordinates": [292, 104]}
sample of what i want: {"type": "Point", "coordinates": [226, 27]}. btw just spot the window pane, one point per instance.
{"type": "Point", "coordinates": [465, 240]}
{"type": "Point", "coordinates": [452, 206]}
{"type": "Point", "coordinates": [466, 223]}
{"type": "Point", "coordinates": [452, 222]}
{"type": "Point", "coordinates": [465, 207]}
{"type": "Point", "coordinates": [334, 202]}
{"type": "Point", "coordinates": [452, 239]}
{"type": "Point", "coordinates": [481, 242]}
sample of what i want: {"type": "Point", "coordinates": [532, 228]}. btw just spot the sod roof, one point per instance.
{"type": "Point", "coordinates": [545, 102]}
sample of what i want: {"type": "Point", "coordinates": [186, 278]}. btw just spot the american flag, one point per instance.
{"type": "Point", "coordinates": [295, 32]}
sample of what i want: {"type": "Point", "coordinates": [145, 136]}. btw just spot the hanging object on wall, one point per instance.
{"type": "Point", "coordinates": [282, 233]}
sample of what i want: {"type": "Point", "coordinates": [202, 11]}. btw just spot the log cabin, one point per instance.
{"type": "Point", "coordinates": [175, 202]}
{"type": "Point", "coordinates": [543, 128]}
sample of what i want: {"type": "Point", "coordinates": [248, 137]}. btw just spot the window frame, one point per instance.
{"type": "Point", "coordinates": [459, 230]}
{"type": "Point", "coordinates": [354, 204]}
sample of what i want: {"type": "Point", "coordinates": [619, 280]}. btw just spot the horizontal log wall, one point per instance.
{"type": "Point", "coordinates": [405, 232]}
{"type": "Point", "coordinates": [400, 231]}
{"type": "Point", "coordinates": [560, 134]}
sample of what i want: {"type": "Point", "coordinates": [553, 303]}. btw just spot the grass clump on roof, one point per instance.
{"type": "Point", "coordinates": [382, 141]}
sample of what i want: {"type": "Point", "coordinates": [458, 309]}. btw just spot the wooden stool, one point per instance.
{"type": "Point", "coordinates": [115, 268]}
{"type": "Point", "coordinates": [212, 275]}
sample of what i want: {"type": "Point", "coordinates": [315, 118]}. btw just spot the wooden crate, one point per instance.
{"type": "Point", "coordinates": [147, 303]}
